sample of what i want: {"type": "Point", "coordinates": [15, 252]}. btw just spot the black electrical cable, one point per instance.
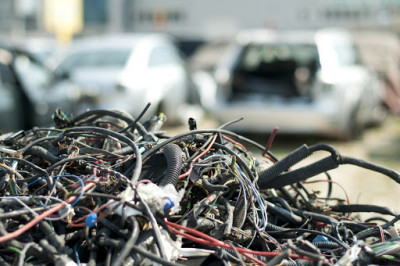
{"type": "Point", "coordinates": [129, 244]}
{"type": "Point", "coordinates": [153, 257]}
{"type": "Point", "coordinates": [371, 166]}
{"type": "Point", "coordinates": [213, 187]}
{"type": "Point", "coordinates": [133, 124]}
{"type": "Point", "coordinates": [302, 230]}
{"type": "Point", "coordinates": [373, 231]}
{"type": "Point", "coordinates": [67, 160]}
{"type": "Point", "coordinates": [92, 115]}
{"type": "Point", "coordinates": [372, 219]}
{"type": "Point", "coordinates": [200, 131]}
{"type": "Point", "coordinates": [95, 114]}
{"type": "Point", "coordinates": [107, 132]}
{"type": "Point", "coordinates": [300, 251]}
{"type": "Point", "coordinates": [284, 214]}
{"type": "Point", "coordinates": [362, 208]}
{"type": "Point", "coordinates": [277, 260]}
{"type": "Point", "coordinates": [43, 153]}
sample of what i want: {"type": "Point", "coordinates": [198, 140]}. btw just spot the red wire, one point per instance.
{"type": "Point", "coordinates": [381, 233]}
{"type": "Point", "coordinates": [209, 240]}
{"type": "Point", "coordinates": [235, 142]}
{"type": "Point", "coordinates": [197, 157]}
{"type": "Point", "coordinates": [270, 140]}
{"type": "Point", "coordinates": [40, 217]}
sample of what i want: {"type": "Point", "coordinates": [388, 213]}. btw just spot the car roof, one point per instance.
{"type": "Point", "coordinates": [289, 36]}
{"type": "Point", "coordinates": [115, 40]}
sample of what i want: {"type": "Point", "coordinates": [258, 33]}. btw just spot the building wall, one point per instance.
{"type": "Point", "coordinates": [209, 18]}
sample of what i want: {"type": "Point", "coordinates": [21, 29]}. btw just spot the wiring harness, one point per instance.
{"type": "Point", "coordinates": [106, 189]}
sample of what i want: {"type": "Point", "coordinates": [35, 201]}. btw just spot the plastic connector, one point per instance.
{"type": "Point", "coordinates": [168, 204]}
{"type": "Point", "coordinates": [320, 238]}
{"type": "Point", "coordinates": [91, 220]}
{"type": "Point", "coordinates": [192, 124]}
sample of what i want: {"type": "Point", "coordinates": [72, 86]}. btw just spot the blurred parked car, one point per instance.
{"type": "Point", "coordinates": [202, 64]}
{"type": "Point", "coordinates": [41, 47]}
{"type": "Point", "coordinates": [380, 51]}
{"type": "Point", "coordinates": [302, 82]}
{"type": "Point", "coordinates": [129, 71]}
{"type": "Point", "coordinates": [30, 92]}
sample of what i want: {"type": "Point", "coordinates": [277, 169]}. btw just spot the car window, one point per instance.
{"type": "Point", "coordinates": [33, 75]}
{"type": "Point", "coordinates": [346, 54]}
{"type": "Point", "coordinates": [100, 58]}
{"type": "Point", "coordinates": [163, 55]}
{"type": "Point", "coordinates": [259, 56]}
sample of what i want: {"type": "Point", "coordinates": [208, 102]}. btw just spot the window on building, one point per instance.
{"type": "Point", "coordinates": [95, 12]}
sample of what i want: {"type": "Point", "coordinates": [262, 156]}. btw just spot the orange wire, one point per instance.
{"type": "Point", "coordinates": [75, 154]}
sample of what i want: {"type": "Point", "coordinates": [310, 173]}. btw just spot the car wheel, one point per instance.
{"type": "Point", "coordinates": [355, 129]}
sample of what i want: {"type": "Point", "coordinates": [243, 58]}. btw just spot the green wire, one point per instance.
{"type": "Point", "coordinates": [11, 187]}
{"type": "Point", "coordinates": [209, 210]}
{"type": "Point", "coordinates": [65, 116]}
{"type": "Point", "coordinates": [15, 250]}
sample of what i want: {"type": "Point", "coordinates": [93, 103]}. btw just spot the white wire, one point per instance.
{"type": "Point", "coordinates": [68, 208]}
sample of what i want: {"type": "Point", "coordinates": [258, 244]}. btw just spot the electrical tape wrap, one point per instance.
{"type": "Point", "coordinates": [283, 165]}
{"type": "Point", "coordinates": [303, 173]}
{"type": "Point", "coordinates": [103, 188]}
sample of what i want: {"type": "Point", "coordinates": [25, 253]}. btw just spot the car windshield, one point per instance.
{"type": "Point", "coordinates": [95, 59]}
{"type": "Point", "coordinates": [33, 75]}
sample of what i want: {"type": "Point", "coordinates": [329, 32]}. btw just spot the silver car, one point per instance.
{"type": "Point", "coordinates": [302, 82]}
{"type": "Point", "coordinates": [127, 71]}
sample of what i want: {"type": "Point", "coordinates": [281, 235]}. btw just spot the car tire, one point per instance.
{"type": "Point", "coordinates": [355, 130]}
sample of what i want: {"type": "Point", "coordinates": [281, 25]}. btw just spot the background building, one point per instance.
{"type": "Point", "coordinates": [202, 20]}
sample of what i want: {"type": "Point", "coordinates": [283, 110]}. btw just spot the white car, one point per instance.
{"type": "Point", "coordinates": [128, 71]}
{"type": "Point", "coordinates": [302, 82]}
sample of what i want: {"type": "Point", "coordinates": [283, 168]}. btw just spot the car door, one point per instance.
{"type": "Point", "coordinates": [169, 80]}
{"type": "Point", "coordinates": [10, 96]}
{"type": "Point", "coordinates": [44, 90]}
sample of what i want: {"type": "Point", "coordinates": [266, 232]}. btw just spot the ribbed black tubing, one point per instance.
{"type": "Point", "coordinates": [173, 155]}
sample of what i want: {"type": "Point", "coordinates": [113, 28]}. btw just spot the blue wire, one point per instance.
{"type": "Point", "coordinates": [258, 198]}
{"type": "Point", "coordinates": [82, 184]}
{"type": "Point", "coordinates": [57, 176]}
{"type": "Point", "coordinates": [77, 254]}
{"type": "Point", "coordinates": [33, 182]}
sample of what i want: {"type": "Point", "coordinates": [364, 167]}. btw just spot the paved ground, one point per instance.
{"type": "Point", "coordinates": [378, 145]}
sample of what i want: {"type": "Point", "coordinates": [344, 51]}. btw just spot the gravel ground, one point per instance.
{"type": "Point", "coordinates": [380, 145]}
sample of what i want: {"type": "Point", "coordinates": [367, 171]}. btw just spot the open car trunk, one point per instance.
{"type": "Point", "coordinates": [282, 70]}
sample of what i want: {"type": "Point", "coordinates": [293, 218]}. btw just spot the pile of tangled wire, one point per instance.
{"type": "Point", "coordinates": [105, 189]}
